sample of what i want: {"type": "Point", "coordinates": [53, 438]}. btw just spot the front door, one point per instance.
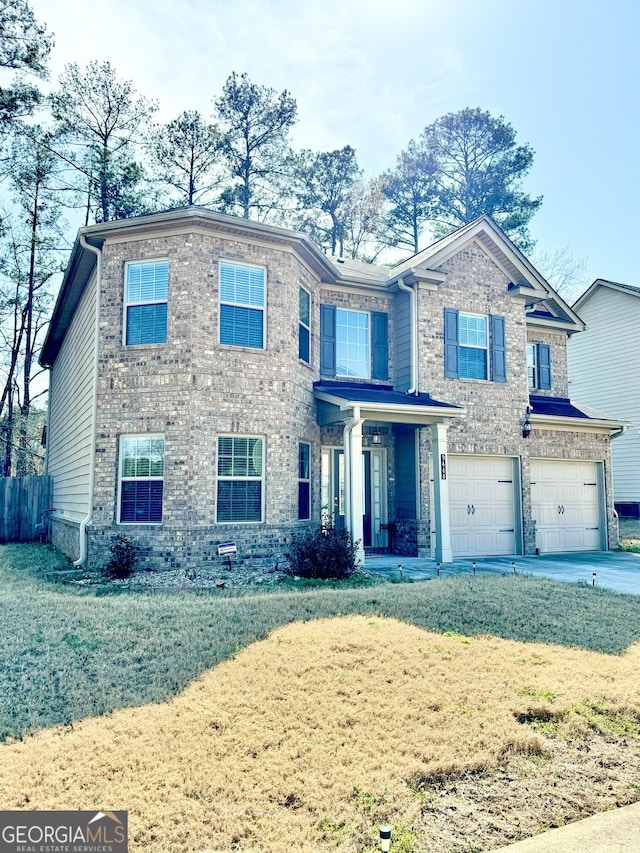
{"type": "Point", "coordinates": [374, 486]}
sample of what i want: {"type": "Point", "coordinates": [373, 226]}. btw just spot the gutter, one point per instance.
{"type": "Point", "coordinates": [94, 414]}
{"type": "Point", "coordinates": [413, 310]}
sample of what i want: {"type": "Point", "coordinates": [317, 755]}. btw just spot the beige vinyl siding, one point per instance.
{"type": "Point", "coordinates": [71, 407]}
{"type": "Point", "coordinates": [604, 362]}
{"type": "Point", "coordinates": [402, 354]}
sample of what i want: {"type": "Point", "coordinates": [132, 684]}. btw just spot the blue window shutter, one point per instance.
{"type": "Point", "coordinates": [498, 349]}
{"type": "Point", "coordinates": [328, 340]}
{"type": "Point", "coordinates": [544, 366]}
{"type": "Point", "coordinates": [451, 369]}
{"type": "Point", "coordinates": [379, 345]}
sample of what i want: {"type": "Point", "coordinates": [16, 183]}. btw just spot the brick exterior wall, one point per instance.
{"type": "Point", "coordinates": [191, 390]}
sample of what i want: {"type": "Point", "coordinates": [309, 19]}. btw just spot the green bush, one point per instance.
{"type": "Point", "coordinates": [124, 556]}
{"type": "Point", "coordinates": [325, 554]}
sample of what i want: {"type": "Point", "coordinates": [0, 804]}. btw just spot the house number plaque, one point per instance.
{"type": "Point", "coordinates": [443, 466]}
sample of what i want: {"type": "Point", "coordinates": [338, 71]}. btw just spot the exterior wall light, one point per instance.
{"type": "Point", "coordinates": [376, 437]}
{"type": "Point", "coordinates": [526, 424]}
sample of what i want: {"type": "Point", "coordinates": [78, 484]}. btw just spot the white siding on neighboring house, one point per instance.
{"type": "Point", "coordinates": [604, 364]}
{"type": "Point", "coordinates": [69, 441]}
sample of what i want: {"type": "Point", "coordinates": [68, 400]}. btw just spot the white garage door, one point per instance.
{"type": "Point", "coordinates": [482, 505]}
{"type": "Point", "coordinates": [565, 505]}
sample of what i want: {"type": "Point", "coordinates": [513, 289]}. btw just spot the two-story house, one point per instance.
{"type": "Point", "coordinates": [215, 379]}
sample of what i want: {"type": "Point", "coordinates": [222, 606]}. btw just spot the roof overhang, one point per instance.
{"type": "Point", "coordinates": [338, 406]}
{"type": "Point", "coordinates": [83, 261]}
{"type": "Point", "coordinates": [594, 425]}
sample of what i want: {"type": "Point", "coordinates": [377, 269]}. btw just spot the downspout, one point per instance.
{"type": "Point", "coordinates": [413, 311]}
{"type": "Point", "coordinates": [94, 415]}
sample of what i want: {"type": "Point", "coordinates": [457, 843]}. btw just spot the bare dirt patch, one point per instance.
{"type": "Point", "coordinates": [312, 738]}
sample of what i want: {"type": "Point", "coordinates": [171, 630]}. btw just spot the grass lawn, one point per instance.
{"type": "Point", "coordinates": [312, 737]}
{"type": "Point", "coordinates": [629, 534]}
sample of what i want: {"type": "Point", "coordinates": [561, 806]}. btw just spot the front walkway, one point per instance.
{"type": "Point", "coordinates": [616, 570]}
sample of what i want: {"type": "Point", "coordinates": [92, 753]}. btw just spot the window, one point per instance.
{"type": "Point", "coordinates": [304, 325]}
{"type": "Point", "coordinates": [539, 366]}
{"type": "Point", "coordinates": [304, 481]}
{"type": "Point", "coordinates": [474, 346]}
{"type": "Point", "coordinates": [532, 367]}
{"type": "Point", "coordinates": [353, 343]}
{"type": "Point", "coordinates": [147, 284]}
{"type": "Point", "coordinates": [141, 479]}
{"type": "Point", "coordinates": [242, 302]}
{"type": "Point", "coordinates": [239, 479]}
{"type": "Point", "coordinates": [473, 340]}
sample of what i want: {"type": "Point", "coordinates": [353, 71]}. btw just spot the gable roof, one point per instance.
{"type": "Point", "coordinates": [525, 280]}
{"type": "Point", "coordinates": [603, 282]}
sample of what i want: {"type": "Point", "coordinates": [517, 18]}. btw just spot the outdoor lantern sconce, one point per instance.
{"type": "Point", "coordinates": [526, 424]}
{"type": "Point", "coordinates": [376, 438]}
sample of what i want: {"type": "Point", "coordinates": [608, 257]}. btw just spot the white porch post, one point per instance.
{"type": "Point", "coordinates": [354, 471]}
{"type": "Point", "coordinates": [440, 508]}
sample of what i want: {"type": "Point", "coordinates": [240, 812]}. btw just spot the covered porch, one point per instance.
{"type": "Point", "coordinates": [354, 477]}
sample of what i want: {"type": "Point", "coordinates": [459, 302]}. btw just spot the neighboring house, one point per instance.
{"type": "Point", "coordinates": [215, 379]}
{"type": "Point", "coordinates": [604, 365]}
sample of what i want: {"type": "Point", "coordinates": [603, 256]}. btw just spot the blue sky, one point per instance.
{"type": "Point", "coordinates": [372, 74]}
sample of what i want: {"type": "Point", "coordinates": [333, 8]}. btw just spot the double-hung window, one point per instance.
{"type": "Point", "coordinates": [539, 366]}
{"type": "Point", "coordinates": [354, 343]}
{"type": "Point", "coordinates": [146, 290]}
{"type": "Point", "coordinates": [240, 475]}
{"type": "Point", "coordinates": [474, 346]}
{"type": "Point", "coordinates": [141, 479]}
{"type": "Point", "coordinates": [242, 305]}
{"type": "Point", "coordinates": [304, 325]}
{"type": "Point", "coordinates": [304, 481]}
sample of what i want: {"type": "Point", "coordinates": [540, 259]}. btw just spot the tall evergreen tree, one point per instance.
{"type": "Point", "coordinates": [103, 118]}
{"type": "Point", "coordinates": [24, 46]}
{"type": "Point", "coordinates": [480, 169]}
{"type": "Point", "coordinates": [410, 193]}
{"type": "Point", "coordinates": [255, 123]}
{"type": "Point", "coordinates": [186, 154]}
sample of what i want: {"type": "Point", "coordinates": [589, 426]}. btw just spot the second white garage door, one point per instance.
{"type": "Point", "coordinates": [565, 505]}
{"type": "Point", "coordinates": [482, 505]}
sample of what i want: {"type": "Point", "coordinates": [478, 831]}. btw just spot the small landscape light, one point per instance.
{"type": "Point", "coordinates": [400, 569]}
{"type": "Point", "coordinates": [474, 567]}
{"type": "Point", "coordinates": [385, 838]}
{"type": "Point", "coordinates": [593, 579]}
{"type": "Point", "coordinates": [513, 564]}
{"type": "Point", "coordinates": [438, 569]}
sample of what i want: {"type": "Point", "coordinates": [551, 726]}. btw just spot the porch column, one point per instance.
{"type": "Point", "coordinates": [440, 508]}
{"type": "Point", "coordinates": [355, 491]}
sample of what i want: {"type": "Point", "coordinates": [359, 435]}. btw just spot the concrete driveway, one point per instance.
{"type": "Point", "coordinates": [616, 570]}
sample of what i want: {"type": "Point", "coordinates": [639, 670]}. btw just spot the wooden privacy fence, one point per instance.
{"type": "Point", "coordinates": [23, 501]}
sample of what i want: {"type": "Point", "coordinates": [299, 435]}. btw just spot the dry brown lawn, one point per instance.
{"type": "Point", "coordinates": [312, 738]}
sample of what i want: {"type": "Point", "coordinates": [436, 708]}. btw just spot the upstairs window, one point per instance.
{"type": "Point", "coordinates": [141, 479]}
{"type": "Point", "coordinates": [304, 325]}
{"type": "Point", "coordinates": [473, 341]}
{"type": "Point", "coordinates": [304, 481]}
{"type": "Point", "coordinates": [539, 366]}
{"type": "Point", "coordinates": [242, 304]}
{"type": "Point", "coordinates": [240, 472]}
{"type": "Point", "coordinates": [353, 343]}
{"type": "Point", "coordinates": [474, 346]}
{"type": "Point", "coordinates": [147, 285]}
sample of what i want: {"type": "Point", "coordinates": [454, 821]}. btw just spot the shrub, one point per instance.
{"type": "Point", "coordinates": [124, 556]}
{"type": "Point", "coordinates": [325, 554]}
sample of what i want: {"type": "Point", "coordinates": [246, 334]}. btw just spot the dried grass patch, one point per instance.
{"type": "Point", "coordinates": [307, 740]}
